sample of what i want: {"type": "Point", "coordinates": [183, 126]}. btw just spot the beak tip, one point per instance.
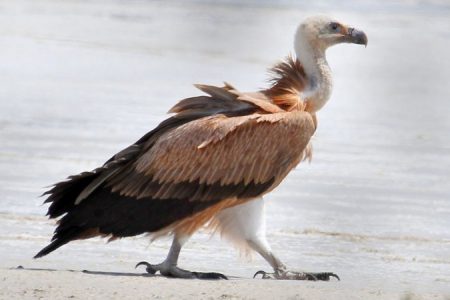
{"type": "Point", "coordinates": [358, 37]}
{"type": "Point", "coordinates": [362, 40]}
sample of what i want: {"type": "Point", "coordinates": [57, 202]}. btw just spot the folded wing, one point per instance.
{"type": "Point", "coordinates": [215, 148]}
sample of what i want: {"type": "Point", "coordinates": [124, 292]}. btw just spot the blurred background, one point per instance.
{"type": "Point", "coordinates": [80, 80]}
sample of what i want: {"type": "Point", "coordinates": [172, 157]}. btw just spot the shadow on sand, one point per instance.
{"type": "Point", "coordinates": [89, 272]}
{"type": "Point", "coordinates": [101, 272]}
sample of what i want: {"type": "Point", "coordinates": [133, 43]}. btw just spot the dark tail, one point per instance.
{"type": "Point", "coordinates": [59, 240]}
{"type": "Point", "coordinates": [62, 199]}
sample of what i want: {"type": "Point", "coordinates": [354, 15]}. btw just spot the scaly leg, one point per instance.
{"type": "Point", "coordinates": [169, 267]}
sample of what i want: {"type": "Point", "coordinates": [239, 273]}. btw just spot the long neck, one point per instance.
{"type": "Point", "coordinates": [318, 73]}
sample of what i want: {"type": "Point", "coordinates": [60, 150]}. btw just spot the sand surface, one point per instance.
{"type": "Point", "coordinates": [82, 80]}
{"type": "Point", "coordinates": [52, 284]}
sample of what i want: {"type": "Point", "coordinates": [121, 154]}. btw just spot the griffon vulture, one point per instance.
{"type": "Point", "coordinates": [210, 163]}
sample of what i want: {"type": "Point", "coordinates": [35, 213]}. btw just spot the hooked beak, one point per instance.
{"type": "Point", "coordinates": [356, 36]}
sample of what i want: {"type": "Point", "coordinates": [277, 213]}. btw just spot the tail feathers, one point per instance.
{"type": "Point", "coordinates": [62, 196]}
{"type": "Point", "coordinates": [59, 241]}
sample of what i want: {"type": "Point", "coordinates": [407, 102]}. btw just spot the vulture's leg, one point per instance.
{"type": "Point", "coordinates": [280, 271]}
{"type": "Point", "coordinates": [245, 225]}
{"type": "Point", "coordinates": [169, 267]}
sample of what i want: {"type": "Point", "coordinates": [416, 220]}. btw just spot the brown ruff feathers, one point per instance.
{"type": "Point", "coordinates": [288, 81]}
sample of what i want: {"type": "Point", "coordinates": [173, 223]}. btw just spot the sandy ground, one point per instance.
{"type": "Point", "coordinates": [80, 80]}
{"type": "Point", "coordinates": [52, 284]}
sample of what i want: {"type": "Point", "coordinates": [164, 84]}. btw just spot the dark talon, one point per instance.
{"type": "Point", "coordinates": [324, 276]}
{"type": "Point", "coordinates": [149, 268]}
{"type": "Point", "coordinates": [210, 275]}
{"type": "Point", "coordinates": [141, 263]}
{"type": "Point", "coordinates": [336, 276]}
{"type": "Point", "coordinates": [259, 273]}
{"type": "Point", "coordinates": [332, 275]}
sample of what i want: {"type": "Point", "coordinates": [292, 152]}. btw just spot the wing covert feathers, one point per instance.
{"type": "Point", "coordinates": [224, 150]}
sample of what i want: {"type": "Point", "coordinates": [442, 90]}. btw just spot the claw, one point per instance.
{"type": "Point", "coordinates": [149, 268]}
{"type": "Point", "coordinates": [141, 263]}
{"type": "Point", "coordinates": [263, 273]}
{"type": "Point", "coordinates": [210, 275]}
{"type": "Point", "coordinates": [259, 273]}
{"type": "Point", "coordinates": [335, 276]}
{"type": "Point", "coordinates": [326, 276]}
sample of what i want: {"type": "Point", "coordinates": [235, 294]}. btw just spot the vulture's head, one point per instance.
{"type": "Point", "coordinates": [321, 32]}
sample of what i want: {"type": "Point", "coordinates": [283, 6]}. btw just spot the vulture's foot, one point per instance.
{"type": "Point", "coordinates": [175, 272]}
{"type": "Point", "coordinates": [290, 275]}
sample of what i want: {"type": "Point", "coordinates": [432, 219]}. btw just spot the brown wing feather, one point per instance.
{"type": "Point", "coordinates": [221, 151]}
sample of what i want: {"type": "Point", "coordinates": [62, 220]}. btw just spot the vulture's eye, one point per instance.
{"type": "Point", "coordinates": [334, 26]}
